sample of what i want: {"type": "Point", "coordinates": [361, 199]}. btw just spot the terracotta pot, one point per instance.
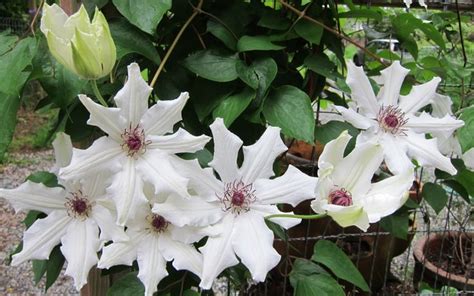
{"type": "Point", "coordinates": [432, 246]}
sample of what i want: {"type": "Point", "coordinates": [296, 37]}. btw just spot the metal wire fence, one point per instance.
{"type": "Point", "coordinates": [14, 25]}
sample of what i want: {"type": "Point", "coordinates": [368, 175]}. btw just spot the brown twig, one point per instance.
{"type": "Point", "coordinates": [175, 41]}
{"type": "Point", "coordinates": [301, 14]}
{"type": "Point", "coordinates": [33, 21]}
{"type": "Point", "coordinates": [198, 35]}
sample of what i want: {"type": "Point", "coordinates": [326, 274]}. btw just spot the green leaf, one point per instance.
{"type": "Point", "coordinates": [46, 178]}
{"type": "Point", "coordinates": [9, 105]}
{"type": "Point", "coordinates": [212, 65]}
{"type": "Point", "coordinates": [39, 269]}
{"type": "Point", "coordinates": [54, 267]}
{"type": "Point", "coordinates": [362, 13]}
{"type": "Point", "coordinates": [435, 195]}
{"type": "Point", "coordinates": [318, 285]}
{"type": "Point", "coordinates": [321, 64]}
{"type": "Point", "coordinates": [329, 254]}
{"type": "Point", "coordinates": [259, 75]}
{"type": "Point", "coordinates": [145, 14]}
{"type": "Point", "coordinates": [277, 230]}
{"type": "Point", "coordinates": [248, 43]}
{"type": "Point", "coordinates": [290, 109]}
{"type": "Point", "coordinates": [396, 225]}
{"type": "Point", "coordinates": [309, 31]}
{"type": "Point", "coordinates": [127, 286]}
{"type": "Point", "coordinates": [331, 130]}
{"type": "Point", "coordinates": [92, 4]}
{"type": "Point", "coordinates": [272, 19]}
{"type": "Point", "coordinates": [7, 42]}
{"type": "Point", "coordinates": [222, 33]}
{"type": "Point", "coordinates": [129, 39]}
{"type": "Point", "coordinates": [303, 268]}
{"type": "Point", "coordinates": [231, 107]}
{"type": "Point", "coordinates": [465, 133]}
{"type": "Point", "coordinates": [207, 95]}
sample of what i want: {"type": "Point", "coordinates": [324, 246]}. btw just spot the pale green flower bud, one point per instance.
{"type": "Point", "coordinates": [84, 47]}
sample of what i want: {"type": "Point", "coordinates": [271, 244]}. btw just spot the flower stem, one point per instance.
{"type": "Point", "coordinates": [97, 93]}
{"type": "Point", "coordinates": [305, 217]}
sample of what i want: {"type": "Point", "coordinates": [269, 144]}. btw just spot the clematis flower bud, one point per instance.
{"type": "Point", "coordinates": [82, 46]}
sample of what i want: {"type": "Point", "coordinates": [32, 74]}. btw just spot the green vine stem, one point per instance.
{"type": "Point", "coordinates": [97, 94]}
{"type": "Point", "coordinates": [304, 217]}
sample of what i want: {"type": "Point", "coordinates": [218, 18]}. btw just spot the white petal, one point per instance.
{"type": "Point", "coordinates": [35, 196]}
{"type": "Point", "coordinates": [419, 96]}
{"type": "Point", "coordinates": [192, 234]}
{"type": "Point", "coordinates": [157, 169]}
{"type": "Point", "coordinates": [426, 152]}
{"type": "Point", "coordinates": [427, 124]}
{"type": "Point", "coordinates": [127, 191]}
{"type": "Point", "coordinates": [292, 188]}
{"type": "Point", "coordinates": [354, 173]}
{"type": "Point", "coordinates": [395, 153]}
{"type": "Point", "coordinates": [354, 118]}
{"type": "Point", "coordinates": [191, 211]}
{"type": "Point", "coordinates": [387, 196]}
{"type": "Point", "coordinates": [121, 253]}
{"type": "Point", "coordinates": [132, 99]}
{"type": "Point", "coordinates": [407, 3]}
{"type": "Point", "coordinates": [422, 3]}
{"type": "Point", "coordinates": [42, 237]}
{"type": "Point", "coordinates": [348, 216]}
{"type": "Point", "coordinates": [266, 210]}
{"type": "Point", "coordinates": [259, 157]}
{"type": "Point", "coordinates": [441, 105]}
{"type": "Point", "coordinates": [226, 151]}
{"type": "Point", "coordinates": [80, 245]}
{"type": "Point", "coordinates": [109, 230]}
{"type": "Point", "coordinates": [180, 142]}
{"type": "Point", "coordinates": [151, 263]}
{"type": "Point", "coordinates": [54, 18]}
{"type": "Point", "coordinates": [393, 77]}
{"type": "Point", "coordinates": [161, 117]}
{"type": "Point", "coordinates": [218, 253]}
{"type": "Point", "coordinates": [62, 150]}
{"type": "Point", "coordinates": [253, 243]}
{"type": "Point", "coordinates": [362, 92]}
{"type": "Point", "coordinates": [468, 158]}
{"type": "Point", "coordinates": [107, 119]}
{"type": "Point", "coordinates": [333, 151]}
{"type": "Point", "coordinates": [100, 156]}
{"type": "Point", "coordinates": [94, 185]}
{"type": "Point", "coordinates": [184, 256]}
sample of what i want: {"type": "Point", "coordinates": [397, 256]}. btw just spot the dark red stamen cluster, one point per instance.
{"type": "Point", "coordinates": [340, 197]}
{"type": "Point", "coordinates": [134, 140]}
{"type": "Point", "coordinates": [392, 119]}
{"type": "Point", "coordinates": [78, 205]}
{"type": "Point", "coordinates": [158, 223]}
{"type": "Point", "coordinates": [237, 197]}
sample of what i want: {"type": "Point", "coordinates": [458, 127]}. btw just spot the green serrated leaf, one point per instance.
{"type": "Point", "coordinates": [231, 107]}
{"type": "Point", "coordinates": [212, 65]}
{"type": "Point", "coordinates": [290, 109]}
{"type": "Point", "coordinates": [435, 196]}
{"type": "Point", "coordinates": [329, 254]}
{"type": "Point", "coordinates": [249, 43]}
{"type": "Point", "coordinates": [145, 14]}
{"type": "Point", "coordinates": [127, 286]}
{"type": "Point", "coordinates": [309, 31]}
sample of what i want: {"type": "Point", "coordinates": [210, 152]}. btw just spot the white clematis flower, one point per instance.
{"type": "Point", "coordinates": [345, 191]}
{"type": "Point", "coordinates": [391, 120]}
{"type": "Point", "coordinates": [238, 202]}
{"type": "Point", "coordinates": [421, 2]}
{"type": "Point", "coordinates": [136, 149]}
{"type": "Point", "coordinates": [76, 215]}
{"type": "Point", "coordinates": [153, 242]}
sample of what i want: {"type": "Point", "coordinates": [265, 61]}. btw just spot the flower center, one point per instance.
{"type": "Point", "coordinates": [158, 223]}
{"type": "Point", "coordinates": [392, 119]}
{"type": "Point", "coordinates": [134, 140]}
{"type": "Point", "coordinates": [340, 197]}
{"type": "Point", "coordinates": [78, 205]}
{"type": "Point", "coordinates": [237, 197]}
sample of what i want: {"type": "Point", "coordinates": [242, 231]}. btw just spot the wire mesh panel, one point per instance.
{"type": "Point", "coordinates": [14, 25]}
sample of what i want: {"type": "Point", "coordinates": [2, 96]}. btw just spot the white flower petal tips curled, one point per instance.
{"type": "Point", "coordinates": [238, 202]}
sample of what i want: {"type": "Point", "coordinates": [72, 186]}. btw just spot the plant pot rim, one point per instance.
{"type": "Point", "coordinates": [418, 253]}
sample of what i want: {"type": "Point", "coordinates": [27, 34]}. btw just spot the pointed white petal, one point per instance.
{"type": "Point", "coordinates": [191, 211]}
{"type": "Point", "coordinates": [94, 185]}
{"type": "Point", "coordinates": [218, 253]}
{"type": "Point", "coordinates": [156, 168]}
{"type": "Point", "coordinates": [42, 237]}
{"type": "Point", "coordinates": [80, 245]}
{"type": "Point", "coordinates": [121, 253]}
{"type": "Point", "coordinates": [348, 216]}
{"type": "Point", "coordinates": [102, 155]}
{"type": "Point", "coordinates": [426, 152]}
{"type": "Point", "coordinates": [184, 256]}
{"type": "Point", "coordinates": [422, 3]}
{"type": "Point", "coordinates": [192, 234]}
{"type": "Point", "coordinates": [162, 116]}
{"type": "Point", "coordinates": [109, 230]}
{"type": "Point", "coordinates": [468, 158]}
{"type": "Point", "coordinates": [387, 196]}
{"type": "Point", "coordinates": [362, 92]}
{"type": "Point", "coordinates": [132, 99]}
{"type": "Point", "coordinates": [441, 105]}
{"type": "Point", "coordinates": [259, 157]}
{"type": "Point", "coordinates": [180, 142]}
{"type": "Point", "coordinates": [266, 210]}
{"type": "Point", "coordinates": [395, 153]}
{"type": "Point", "coordinates": [419, 96]}
{"type": "Point", "coordinates": [62, 150]}
{"type": "Point", "coordinates": [127, 191]}
{"type": "Point", "coordinates": [333, 151]}
{"type": "Point", "coordinates": [428, 124]}
{"type": "Point", "coordinates": [107, 119]}
{"type": "Point", "coordinates": [35, 196]}
{"type": "Point", "coordinates": [393, 77]}
{"type": "Point", "coordinates": [151, 263]}
{"type": "Point", "coordinates": [354, 173]}
{"type": "Point", "coordinates": [292, 188]}
{"type": "Point", "coordinates": [253, 243]}
{"type": "Point", "coordinates": [354, 118]}
{"type": "Point", "coordinates": [226, 151]}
